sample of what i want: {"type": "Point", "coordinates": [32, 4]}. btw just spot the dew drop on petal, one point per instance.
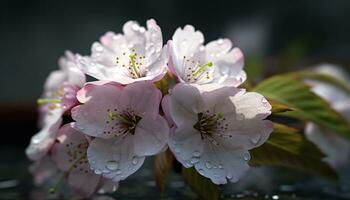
{"type": "Point", "coordinates": [194, 160]}
{"type": "Point", "coordinates": [208, 165]}
{"type": "Point", "coordinates": [98, 171]}
{"type": "Point", "coordinates": [142, 29]}
{"type": "Point", "coordinates": [246, 156]}
{"type": "Point", "coordinates": [177, 150]}
{"type": "Point", "coordinates": [201, 171]}
{"type": "Point", "coordinates": [135, 27]}
{"type": "Point", "coordinates": [196, 153]}
{"type": "Point", "coordinates": [135, 160]}
{"type": "Point", "coordinates": [98, 48]}
{"type": "Point", "coordinates": [240, 116]}
{"type": "Point", "coordinates": [112, 165]}
{"type": "Point", "coordinates": [220, 166]}
{"type": "Point", "coordinates": [264, 102]}
{"type": "Point", "coordinates": [220, 41]}
{"type": "Point", "coordinates": [229, 176]}
{"type": "Point", "coordinates": [256, 138]}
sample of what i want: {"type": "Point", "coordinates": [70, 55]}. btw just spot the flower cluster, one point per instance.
{"type": "Point", "coordinates": [96, 134]}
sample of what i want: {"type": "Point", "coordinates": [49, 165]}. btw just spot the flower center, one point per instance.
{"type": "Point", "coordinates": [133, 64]}
{"type": "Point", "coordinates": [194, 70]}
{"type": "Point", "coordinates": [210, 125]}
{"type": "Point", "coordinates": [124, 121]}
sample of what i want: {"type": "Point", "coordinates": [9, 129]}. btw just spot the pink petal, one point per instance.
{"type": "Point", "coordinates": [114, 158]}
{"type": "Point", "coordinates": [151, 136]}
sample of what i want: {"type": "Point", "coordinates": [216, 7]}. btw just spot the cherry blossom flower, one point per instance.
{"type": "Point", "coordinates": [136, 55]}
{"type": "Point", "coordinates": [126, 124]}
{"type": "Point", "coordinates": [69, 154]}
{"type": "Point", "coordinates": [59, 96]}
{"type": "Point", "coordinates": [215, 128]}
{"type": "Point", "coordinates": [336, 148]}
{"type": "Point", "coordinates": [215, 62]}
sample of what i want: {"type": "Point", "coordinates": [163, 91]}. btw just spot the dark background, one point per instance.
{"type": "Point", "coordinates": [275, 36]}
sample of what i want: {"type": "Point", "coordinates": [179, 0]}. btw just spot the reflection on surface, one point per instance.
{"type": "Point", "coordinates": [260, 183]}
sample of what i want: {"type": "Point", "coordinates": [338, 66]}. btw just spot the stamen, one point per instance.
{"type": "Point", "coordinates": [133, 64]}
{"type": "Point", "coordinates": [201, 68]}
{"type": "Point", "coordinates": [43, 101]}
{"type": "Point", "coordinates": [112, 116]}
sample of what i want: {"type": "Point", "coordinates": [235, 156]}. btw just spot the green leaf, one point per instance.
{"type": "Point", "coordinates": [287, 148]}
{"type": "Point", "coordinates": [163, 164]}
{"type": "Point", "coordinates": [278, 107]}
{"type": "Point", "coordinates": [307, 74]}
{"type": "Point", "coordinates": [201, 185]}
{"type": "Point", "coordinates": [307, 105]}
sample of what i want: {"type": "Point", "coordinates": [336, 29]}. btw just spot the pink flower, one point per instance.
{"type": "Point", "coordinates": [215, 128]}
{"type": "Point", "coordinates": [59, 96]}
{"type": "Point", "coordinates": [69, 154]}
{"type": "Point", "coordinates": [215, 62]}
{"type": "Point", "coordinates": [44, 171]}
{"type": "Point", "coordinates": [126, 124]}
{"type": "Point", "coordinates": [125, 58]}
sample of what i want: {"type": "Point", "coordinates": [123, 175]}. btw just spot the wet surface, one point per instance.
{"type": "Point", "coordinates": [260, 183]}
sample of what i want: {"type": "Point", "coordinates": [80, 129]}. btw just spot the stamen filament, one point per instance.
{"type": "Point", "coordinates": [43, 101]}
{"type": "Point", "coordinates": [133, 65]}
{"type": "Point", "coordinates": [202, 68]}
{"type": "Point", "coordinates": [112, 116]}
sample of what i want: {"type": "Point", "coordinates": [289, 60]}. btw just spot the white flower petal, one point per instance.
{"type": "Point", "coordinates": [41, 142]}
{"type": "Point", "coordinates": [151, 135]}
{"type": "Point", "coordinates": [92, 117]}
{"type": "Point", "coordinates": [220, 164]}
{"type": "Point", "coordinates": [185, 102]}
{"type": "Point", "coordinates": [186, 144]}
{"type": "Point", "coordinates": [114, 158]}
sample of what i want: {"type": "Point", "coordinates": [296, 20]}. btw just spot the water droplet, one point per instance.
{"type": "Point", "coordinates": [220, 166]}
{"type": "Point", "coordinates": [82, 61]}
{"type": "Point", "coordinates": [98, 48]}
{"type": "Point", "coordinates": [256, 138]}
{"type": "Point", "coordinates": [264, 102]}
{"type": "Point", "coordinates": [135, 160]}
{"type": "Point", "coordinates": [135, 27]}
{"type": "Point", "coordinates": [118, 172]}
{"type": "Point", "coordinates": [194, 160]}
{"type": "Point", "coordinates": [275, 197]}
{"type": "Point", "coordinates": [196, 153]}
{"type": "Point", "coordinates": [246, 156]}
{"type": "Point", "coordinates": [229, 176]}
{"type": "Point", "coordinates": [220, 41]}
{"type": "Point", "coordinates": [201, 171]}
{"type": "Point", "coordinates": [112, 165]}
{"type": "Point", "coordinates": [98, 171]}
{"type": "Point", "coordinates": [240, 116]}
{"type": "Point", "coordinates": [142, 29]}
{"type": "Point", "coordinates": [208, 165]}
